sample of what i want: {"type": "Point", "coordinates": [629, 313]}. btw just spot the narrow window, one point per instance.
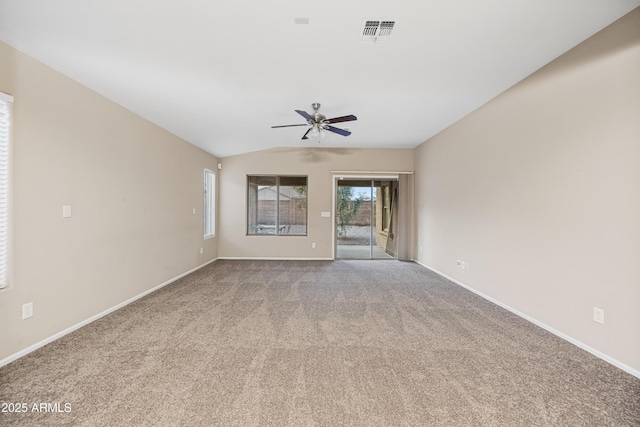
{"type": "Point", "coordinates": [5, 128]}
{"type": "Point", "coordinates": [277, 205]}
{"type": "Point", "coordinates": [209, 203]}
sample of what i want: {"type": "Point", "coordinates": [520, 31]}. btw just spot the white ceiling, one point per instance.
{"type": "Point", "coordinates": [220, 73]}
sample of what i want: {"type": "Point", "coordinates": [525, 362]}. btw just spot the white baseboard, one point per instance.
{"type": "Point", "coordinates": [77, 326]}
{"type": "Point", "coordinates": [250, 258]}
{"type": "Point", "coordinates": [548, 328]}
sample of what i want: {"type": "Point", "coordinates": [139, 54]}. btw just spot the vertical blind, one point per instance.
{"type": "Point", "coordinates": [5, 128]}
{"type": "Point", "coordinates": [405, 217]}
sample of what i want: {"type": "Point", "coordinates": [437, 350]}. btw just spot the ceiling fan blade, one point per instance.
{"type": "Point", "coordinates": [337, 130]}
{"type": "Point", "coordinates": [306, 133]}
{"type": "Point", "coordinates": [305, 115]}
{"type": "Point", "coordinates": [288, 126]}
{"type": "Point", "coordinates": [348, 118]}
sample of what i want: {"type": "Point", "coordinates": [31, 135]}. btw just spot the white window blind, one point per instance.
{"type": "Point", "coordinates": [5, 130]}
{"type": "Point", "coordinates": [209, 203]}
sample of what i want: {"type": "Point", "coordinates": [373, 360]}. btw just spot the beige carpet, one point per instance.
{"type": "Point", "coordinates": [316, 343]}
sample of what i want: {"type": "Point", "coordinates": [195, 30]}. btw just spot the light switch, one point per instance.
{"type": "Point", "coordinates": [66, 211]}
{"type": "Point", "coordinates": [27, 310]}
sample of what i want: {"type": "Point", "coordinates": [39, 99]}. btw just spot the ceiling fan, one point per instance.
{"type": "Point", "coordinates": [319, 122]}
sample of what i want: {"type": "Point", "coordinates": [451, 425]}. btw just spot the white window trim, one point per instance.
{"type": "Point", "coordinates": [6, 102]}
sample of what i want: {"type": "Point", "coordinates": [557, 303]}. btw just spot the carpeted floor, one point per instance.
{"type": "Point", "coordinates": [316, 343]}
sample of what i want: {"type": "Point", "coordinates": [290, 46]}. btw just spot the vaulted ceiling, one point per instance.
{"type": "Point", "coordinates": [220, 73]}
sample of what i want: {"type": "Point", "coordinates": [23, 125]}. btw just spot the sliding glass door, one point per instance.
{"type": "Point", "coordinates": [365, 220]}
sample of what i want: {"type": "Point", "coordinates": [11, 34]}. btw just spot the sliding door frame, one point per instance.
{"type": "Point", "coordinates": [336, 176]}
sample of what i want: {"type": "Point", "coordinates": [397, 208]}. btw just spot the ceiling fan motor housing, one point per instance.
{"type": "Point", "coordinates": [316, 117]}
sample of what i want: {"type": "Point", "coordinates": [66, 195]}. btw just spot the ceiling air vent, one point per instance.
{"type": "Point", "coordinates": [377, 30]}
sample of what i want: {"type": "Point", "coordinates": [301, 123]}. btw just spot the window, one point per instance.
{"type": "Point", "coordinates": [209, 203]}
{"type": "Point", "coordinates": [5, 128]}
{"type": "Point", "coordinates": [277, 205]}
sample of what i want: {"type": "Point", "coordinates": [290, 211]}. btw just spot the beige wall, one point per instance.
{"type": "Point", "coordinates": [132, 187]}
{"type": "Point", "coordinates": [539, 191]}
{"type": "Point", "coordinates": [317, 164]}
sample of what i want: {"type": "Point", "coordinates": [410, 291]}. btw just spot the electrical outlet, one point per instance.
{"type": "Point", "coordinates": [598, 315]}
{"type": "Point", "coordinates": [27, 310]}
{"type": "Point", "coordinates": [313, 245]}
{"type": "Point", "coordinates": [462, 264]}
{"type": "Point", "coordinates": [201, 251]}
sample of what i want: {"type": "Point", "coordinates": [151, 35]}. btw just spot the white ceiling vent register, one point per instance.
{"type": "Point", "coordinates": [377, 30]}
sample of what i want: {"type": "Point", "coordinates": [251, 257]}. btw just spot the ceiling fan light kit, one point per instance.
{"type": "Point", "coordinates": [319, 123]}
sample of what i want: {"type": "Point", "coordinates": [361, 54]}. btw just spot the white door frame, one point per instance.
{"type": "Point", "coordinates": [335, 176]}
